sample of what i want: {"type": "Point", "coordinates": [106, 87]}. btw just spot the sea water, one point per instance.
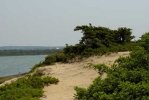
{"type": "Point", "coordinates": [12, 65]}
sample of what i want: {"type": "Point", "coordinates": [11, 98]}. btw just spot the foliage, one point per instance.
{"type": "Point", "coordinates": [128, 79]}
{"type": "Point", "coordinates": [95, 41]}
{"type": "Point", "coordinates": [26, 88]}
{"type": "Point", "coordinates": [100, 40]}
{"type": "Point", "coordinates": [102, 68]}
{"type": "Point", "coordinates": [145, 41]}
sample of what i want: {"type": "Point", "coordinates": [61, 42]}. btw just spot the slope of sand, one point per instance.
{"type": "Point", "coordinates": [74, 74]}
{"type": "Point", "coordinates": [9, 81]}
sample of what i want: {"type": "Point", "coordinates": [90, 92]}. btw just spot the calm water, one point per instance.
{"type": "Point", "coordinates": [11, 65]}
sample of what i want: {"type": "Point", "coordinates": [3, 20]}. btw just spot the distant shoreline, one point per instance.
{"type": "Point", "coordinates": [26, 52]}
{"type": "Point", "coordinates": [23, 55]}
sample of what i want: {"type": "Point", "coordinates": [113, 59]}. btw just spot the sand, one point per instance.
{"type": "Point", "coordinates": [9, 81]}
{"type": "Point", "coordinates": [74, 74]}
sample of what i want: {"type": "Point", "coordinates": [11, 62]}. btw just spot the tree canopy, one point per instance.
{"type": "Point", "coordinates": [97, 38]}
{"type": "Point", "coordinates": [94, 36]}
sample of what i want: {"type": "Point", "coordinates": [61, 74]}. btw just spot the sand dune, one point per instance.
{"type": "Point", "coordinates": [74, 74]}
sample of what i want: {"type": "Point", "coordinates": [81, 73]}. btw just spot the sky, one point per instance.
{"type": "Point", "coordinates": [51, 22]}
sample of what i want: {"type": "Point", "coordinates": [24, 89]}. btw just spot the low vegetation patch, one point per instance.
{"type": "Point", "coordinates": [26, 88]}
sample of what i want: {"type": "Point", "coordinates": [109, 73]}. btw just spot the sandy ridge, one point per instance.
{"type": "Point", "coordinates": [74, 74]}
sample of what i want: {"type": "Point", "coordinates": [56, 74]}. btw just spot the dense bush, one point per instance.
{"type": "Point", "coordinates": [96, 38]}
{"type": "Point", "coordinates": [127, 79]}
{"type": "Point", "coordinates": [95, 41]}
{"type": "Point", "coordinates": [145, 41]}
{"type": "Point", "coordinates": [51, 59]}
{"type": "Point", "coordinates": [26, 88]}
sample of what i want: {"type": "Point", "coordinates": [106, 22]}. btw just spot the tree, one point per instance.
{"type": "Point", "coordinates": [124, 35]}
{"type": "Point", "coordinates": [94, 37]}
{"type": "Point", "coordinates": [99, 40]}
{"type": "Point", "coordinates": [88, 34]}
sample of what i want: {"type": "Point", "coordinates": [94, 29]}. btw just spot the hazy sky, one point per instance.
{"type": "Point", "coordinates": [51, 22]}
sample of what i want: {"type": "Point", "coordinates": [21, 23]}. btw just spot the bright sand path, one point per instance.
{"type": "Point", "coordinates": [74, 74]}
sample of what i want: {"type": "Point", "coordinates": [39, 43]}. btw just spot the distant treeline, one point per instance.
{"type": "Point", "coordinates": [26, 52]}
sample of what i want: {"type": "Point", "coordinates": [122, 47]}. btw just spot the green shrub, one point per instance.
{"type": "Point", "coordinates": [50, 60]}
{"type": "Point", "coordinates": [60, 57]}
{"type": "Point", "coordinates": [144, 42]}
{"type": "Point", "coordinates": [80, 93]}
{"type": "Point", "coordinates": [128, 79]}
{"type": "Point", "coordinates": [26, 88]}
{"type": "Point", "coordinates": [102, 68]}
{"type": "Point", "coordinates": [49, 80]}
